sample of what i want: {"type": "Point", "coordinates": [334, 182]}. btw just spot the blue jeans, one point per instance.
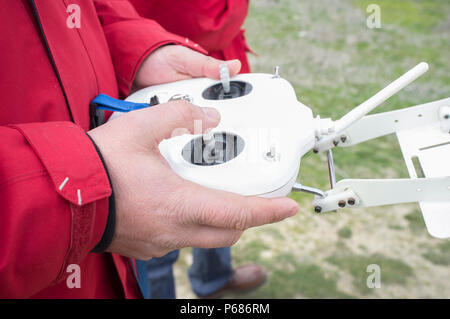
{"type": "Point", "coordinates": [210, 271]}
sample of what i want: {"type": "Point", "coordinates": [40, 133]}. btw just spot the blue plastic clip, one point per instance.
{"type": "Point", "coordinates": [105, 102]}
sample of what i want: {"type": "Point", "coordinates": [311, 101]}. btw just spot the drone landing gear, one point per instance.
{"type": "Point", "coordinates": [420, 128]}
{"type": "Point", "coordinates": [379, 192]}
{"type": "Point", "coordinates": [423, 134]}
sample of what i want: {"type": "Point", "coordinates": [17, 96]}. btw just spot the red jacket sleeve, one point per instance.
{"type": "Point", "coordinates": [53, 204]}
{"type": "Point", "coordinates": [132, 38]}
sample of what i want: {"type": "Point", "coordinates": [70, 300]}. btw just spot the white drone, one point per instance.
{"type": "Point", "coordinates": [264, 132]}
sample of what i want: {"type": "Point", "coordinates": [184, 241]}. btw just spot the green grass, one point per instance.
{"type": "Point", "coordinates": [393, 271]}
{"type": "Point", "coordinates": [273, 233]}
{"type": "Point", "coordinates": [291, 278]}
{"type": "Point", "coordinates": [439, 255]}
{"type": "Point", "coordinates": [415, 15]}
{"type": "Point", "coordinates": [345, 232]}
{"type": "Point", "coordinates": [306, 280]}
{"type": "Point", "coordinates": [251, 252]}
{"type": "Point", "coordinates": [415, 221]}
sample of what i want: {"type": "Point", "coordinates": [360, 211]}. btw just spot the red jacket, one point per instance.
{"type": "Point", "coordinates": [53, 187]}
{"type": "Point", "coordinates": [214, 24]}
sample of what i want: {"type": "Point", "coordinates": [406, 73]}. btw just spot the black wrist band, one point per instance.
{"type": "Point", "coordinates": [108, 234]}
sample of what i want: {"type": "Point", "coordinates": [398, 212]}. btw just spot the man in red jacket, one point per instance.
{"type": "Point", "coordinates": [215, 25]}
{"type": "Point", "coordinates": [62, 217]}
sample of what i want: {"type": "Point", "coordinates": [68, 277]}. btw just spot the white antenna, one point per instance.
{"type": "Point", "coordinates": [367, 106]}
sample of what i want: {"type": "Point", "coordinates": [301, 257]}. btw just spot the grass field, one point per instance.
{"type": "Point", "coordinates": [334, 61]}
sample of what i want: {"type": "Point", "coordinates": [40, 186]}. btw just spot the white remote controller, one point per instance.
{"type": "Point", "coordinates": [257, 146]}
{"type": "Point", "coordinates": [264, 131]}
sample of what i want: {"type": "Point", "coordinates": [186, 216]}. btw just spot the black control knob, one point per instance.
{"type": "Point", "coordinates": [217, 92]}
{"type": "Point", "coordinates": [226, 147]}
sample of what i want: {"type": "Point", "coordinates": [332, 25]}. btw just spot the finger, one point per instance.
{"type": "Point", "coordinates": [211, 68]}
{"type": "Point", "coordinates": [199, 65]}
{"type": "Point", "coordinates": [169, 119]}
{"type": "Point", "coordinates": [211, 237]}
{"type": "Point", "coordinates": [188, 236]}
{"type": "Point", "coordinates": [228, 210]}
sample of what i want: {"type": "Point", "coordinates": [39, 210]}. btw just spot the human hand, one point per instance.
{"type": "Point", "coordinates": [156, 210]}
{"type": "Point", "coordinates": [175, 62]}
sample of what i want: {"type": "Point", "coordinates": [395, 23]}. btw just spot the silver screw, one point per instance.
{"type": "Point", "coordinates": [271, 154]}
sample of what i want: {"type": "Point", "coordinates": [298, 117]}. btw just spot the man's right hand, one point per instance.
{"type": "Point", "coordinates": [156, 210]}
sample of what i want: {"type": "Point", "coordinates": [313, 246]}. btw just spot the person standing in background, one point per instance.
{"type": "Point", "coordinates": [216, 25]}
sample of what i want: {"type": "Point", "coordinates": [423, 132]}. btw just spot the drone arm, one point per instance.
{"type": "Point", "coordinates": [373, 126]}
{"type": "Point", "coordinates": [379, 192]}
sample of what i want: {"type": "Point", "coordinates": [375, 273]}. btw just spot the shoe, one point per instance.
{"type": "Point", "coordinates": [243, 279]}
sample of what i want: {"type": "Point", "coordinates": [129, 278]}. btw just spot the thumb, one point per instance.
{"type": "Point", "coordinates": [177, 118]}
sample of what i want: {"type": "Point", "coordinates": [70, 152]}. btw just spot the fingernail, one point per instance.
{"type": "Point", "coordinates": [238, 66]}
{"type": "Point", "coordinates": [211, 113]}
{"type": "Point", "coordinates": [294, 210]}
{"type": "Point", "coordinates": [235, 61]}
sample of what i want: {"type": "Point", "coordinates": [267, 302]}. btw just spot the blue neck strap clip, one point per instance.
{"type": "Point", "coordinates": [105, 102]}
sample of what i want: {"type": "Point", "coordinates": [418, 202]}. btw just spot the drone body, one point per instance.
{"type": "Point", "coordinates": [264, 132]}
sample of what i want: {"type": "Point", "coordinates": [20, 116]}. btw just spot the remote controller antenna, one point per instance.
{"type": "Point", "coordinates": [225, 77]}
{"type": "Point", "coordinates": [357, 113]}
{"type": "Point", "coordinates": [367, 106]}
{"type": "Point", "coordinates": [277, 72]}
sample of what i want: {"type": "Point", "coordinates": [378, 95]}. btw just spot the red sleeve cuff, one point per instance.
{"type": "Point", "coordinates": [64, 209]}
{"type": "Point", "coordinates": [70, 159]}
